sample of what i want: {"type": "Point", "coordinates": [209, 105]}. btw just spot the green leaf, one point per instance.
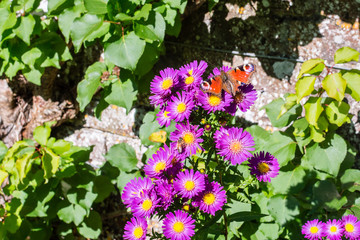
{"type": "Point", "coordinates": [146, 63]}
{"type": "Point", "coordinates": [55, 6]}
{"type": "Point", "coordinates": [352, 78]}
{"type": "Point", "coordinates": [67, 17]}
{"type": "Point", "coordinates": [244, 216]}
{"type": "Point", "coordinates": [71, 213]}
{"type": "Point", "coordinates": [42, 134]}
{"type": "Point", "coordinates": [290, 101]}
{"type": "Point", "coordinates": [83, 27]}
{"type": "Point", "coordinates": [122, 94]}
{"type": "Point", "coordinates": [304, 86]}
{"type": "Point", "coordinates": [25, 28]}
{"type": "Point", "coordinates": [317, 135]}
{"type": "Point", "coordinates": [350, 180]}
{"type": "Point", "coordinates": [179, 4]}
{"type": "Point", "coordinates": [289, 181]}
{"type": "Point", "coordinates": [103, 187]}
{"type": "Point", "coordinates": [327, 156]}
{"type": "Point", "coordinates": [3, 176]}
{"type": "Point", "coordinates": [124, 178]}
{"type": "Point", "coordinates": [283, 208]}
{"type": "Point", "coordinates": [96, 6]}
{"type": "Point", "coordinates": [313, 109]}
{"type": "Point", "coordinates": [91, 226]}
{"type": "Point", "coordinates": [325, 192]}
{"type": "Point", "coordinates": [335, 86]}
{"type": "Point", "coordinates": [310, 65]}
{"type": "Point", "coordinates": [273, 111]}
{"type": "Point", "coordinates": [101, 31]}
{"type": "Point", "coordinates": [300, 126]}
{"type": "Point", "coordinates": [7, 19]}
{"type": "Point", "coordinates": [23, 164]}
{"type": "Point", "coordinates": [282, 147]}
{"type": "Point", "coordinates": [3, 151]}
{"type": "Point", "coordinates": [153, 29]}
{"type": "Point", "coordinates": [143, 12]}
{"type": "Point", "coordinates": [337, 112]}
{"type": "Point", "coordinates": [61, 146]}
{"type": "Point", "coordinates": [50, 163]}
{"type": "Point", "coordinates": [122, 156]}
{"type": "Point", "coordinates": [125, 52]}
{"type": "Point", "coordinates": [149, 126]}
{"type": "Point", "coordinates": [346, 54]}
{"type": "Point", "coordinates": [87, 87]}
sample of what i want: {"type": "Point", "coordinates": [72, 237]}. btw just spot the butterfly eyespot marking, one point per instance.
{"type": "Point", "coordinates": [205, 85]}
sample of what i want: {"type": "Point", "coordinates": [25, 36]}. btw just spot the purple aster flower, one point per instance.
{"type": "Point", "coordinates": [217, 71]}
{"type": "Point", "coordinates": [351, 227]}
{"type": "Point", "coordinates": [213, 103]}
{"type": "Point", "coordinates": [135, 188]}
{"type": "Point", "coordinates": [313, 230]}
{"type": "Point", "coordinates": [145, 205]}
{"type": "Point", "coordinates": [212, 199]}
{"type": "Point", "coordinates": [234, 144]}
{"type": "Point", "coordinates": [333, 229]}
{"type": "Point", "coordinates": [162, 85]}
{"type": "Point", "coordinates": [189, 184]}
{"type": "Point", "coordinates": [264, 166]}
{"type": "Point", "coordinates": [191, 74]}
{"type": "Point", "coordinates": [163, 118]}
{"type": "Point", "coordinates": [135, 229]}
{"type": "Point", "coordinates": [244, 99]}
{"type": "Point", "coordinates": [188, 138]}
{"type": "Point", "coordinates": [165, 192]}
{"type": "Point", "coordinates": [159, 162]}
{"type": "Point", "coordinates": [180, 107]}
{"type": "Point", "coordinates": [178, 226]}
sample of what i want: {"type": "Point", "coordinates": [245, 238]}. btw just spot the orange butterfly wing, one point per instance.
{"type": "Point", "coordinates": [238, 75]}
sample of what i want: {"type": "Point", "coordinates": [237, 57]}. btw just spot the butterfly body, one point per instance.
{"type": "Point", "coordinates": [180, 145]}
{"type": "Point", "coordinates": [228, 81]}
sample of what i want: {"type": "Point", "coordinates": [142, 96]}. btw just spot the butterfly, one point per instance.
{"type": "Point", "coordinates": [228, 81]}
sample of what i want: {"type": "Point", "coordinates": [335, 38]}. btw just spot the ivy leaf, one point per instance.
{"type": "Point", "coordinates": [260, 135]}
{"type": "Point", "coordinates": [337, 112]}
{"type": "Point", "coordinates": [126, 52]}
{"type": "Point", "coordinates": [102, 187]}
{"type": "Point", "coordinates": [346, 54]}
{"type": "Point", "coordinates": [8, 20]}
{"type": "Point", "coordinates": [289, 181]}
{"type": "Point", "coordinates": [23, 163]}
{"type": "Point", "coordinates": [96, 6]}
{"type": "Point", "coordinates": [25, 28]}
{"type": "Point", "coordinates": [50, 163]}
{"type": "Point", "coordinates": [304, 86]}
{"type": "Point", "coordinates": [147, 61]}
{"type": "Point", "coordinates": [56, 6]}
{"type": "Point", "coordinates": [352, 78]}
{"type": "Point", "coordinates": [122, 156]}
{"type": "Point", "coordinates": [122, 94]}
{"type": "Point", "coordinates": [149, 126]}
{"type": "Point", "coordinates": [326, 156]}
{"type": "Point", "coordinates": [61, 146]}
{"type": "Point", "coordinates": [153, 29]}
{"type": "Point", "coordinates": [91, 226]}
{"type": "Point", "coordinates": [335, 86]}
{"type": "Point", "coordinates": [3, 151]}
{"type": "Point", "coordinates": [179, 4]}
{"type": "Point", "coordinates": [283, 208]}
{"type": "Point", "coordinates": [3, 176]}
{"type": "Point", "coordinates": [313, 109]}
{"type": "Point", "coordinates": [349, 180]}
{"type": "Point", "coordinates": [83, 27]}
{"type": "Point", "coordinates": [143, 13]}
{"type": "Point", "coordinates": [42, 134]}
{"type": "Point", "coordinates": [88, 86]}
{"type": "Point", "coordinates": [290, 101]}
{"type": "Point", "coordinates": [310, 66]}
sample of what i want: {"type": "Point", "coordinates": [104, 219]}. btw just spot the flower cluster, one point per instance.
{"type": "Point", "coordinates": [175, 188]}
{"type": "Point", "coordinates": [333, 229]}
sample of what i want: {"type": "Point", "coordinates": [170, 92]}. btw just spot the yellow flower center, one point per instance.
{"type": "Point", "coordinates": [349, 227]}
{"type": "Point", "coordinates": [333, 229]}
{"type": "Point", "coordinates": [186, 207]}
{"type": "Point", "coordinates": [209, 198]}
{"type": "Point", "coordinates": [147, 204]}
{"type": "Point", "coordinates": [159, 167]}
{"type": "Point", "coordinates": [189, 80]}
{"type": "Point", "coordinates": [263, 167]}
{"type": "Point", "coordinates": [178, 227]}
{"type": "Point", "coordinates": [314, 230]}
{"type": "Point", "coordinates": [167, 83]}
{"type": "Point", "coordinates": [235, 146]}
{"type": "Point", "coordinates": [138, 232]}
{"type": "Point", "coordinates": [189, 185]}
{"type": "Point", "coordinates": [166, 114]}
{"type": "Point", "coordinates": [188, 138]}
{"type": "Point", "coordinates": [181, 107]}
{"type": "Point", "coordinates": [214, 100]}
